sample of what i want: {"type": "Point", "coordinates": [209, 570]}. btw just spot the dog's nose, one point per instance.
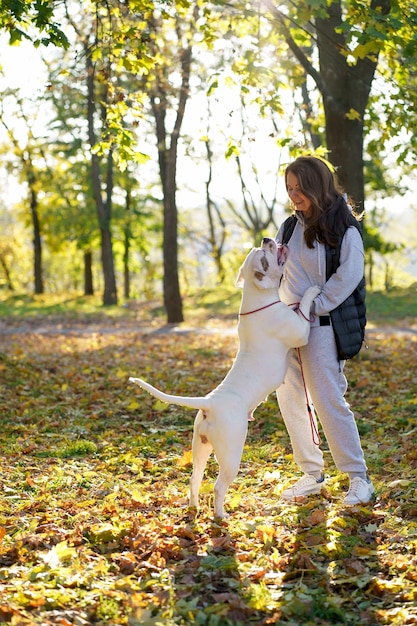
{"type": "Point", "coordinates": [267, 240]}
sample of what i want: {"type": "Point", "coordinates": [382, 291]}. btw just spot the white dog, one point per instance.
{"type": "Point", "coordinates": [267, 330]}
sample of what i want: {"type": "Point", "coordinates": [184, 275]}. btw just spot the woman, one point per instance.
{"type": "Point", "coordinates": [322, 216]}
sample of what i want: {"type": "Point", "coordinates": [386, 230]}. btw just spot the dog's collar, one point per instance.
{"type": "Point", "coordinates": [261, 308]}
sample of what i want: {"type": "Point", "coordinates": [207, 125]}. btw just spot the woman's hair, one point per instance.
{"type": "Point", "coordinates": [330, 214]}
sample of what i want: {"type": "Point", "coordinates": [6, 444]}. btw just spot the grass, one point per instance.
{"type": "Point", "coordinates": [71, 306]}
{"type": "Point", "coordinates": [393, 306]}
{"type": "Point", "coordinates": [396, 307]}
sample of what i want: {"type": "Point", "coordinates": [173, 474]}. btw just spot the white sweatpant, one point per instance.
{"type": "Point", "coordinates": [327, 385]}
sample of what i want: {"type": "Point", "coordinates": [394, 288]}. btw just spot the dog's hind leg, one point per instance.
{"type": "Point", "coordinates": [226, 476]}
{"type": "Point", "coordinates": [228, 456]}
{"type": "Point", "coordinates": [202, 449]}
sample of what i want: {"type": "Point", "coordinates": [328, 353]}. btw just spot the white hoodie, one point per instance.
{"type": "Point", "coordinates": [305, 267]}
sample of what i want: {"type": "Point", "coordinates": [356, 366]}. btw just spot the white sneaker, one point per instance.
{"type": "Point", "coordinates": [360, 491]}
{"type": "Point", "coordinates": [306, 486]}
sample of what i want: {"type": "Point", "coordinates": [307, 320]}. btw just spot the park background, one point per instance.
{"type": "Point", "coordinates": [137, 168]}
{"type": "Point", "coordinates": [143, 163]}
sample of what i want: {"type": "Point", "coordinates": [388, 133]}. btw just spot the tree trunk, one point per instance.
{"type": "Point", "coordinates": [127, 234]}
{"type": "Point", "coordinates": [37, 243]}
{"type": "Point", "coordinates": [126, 255]}
{"type": "Point", "coordinates": [88, 273]}
{"type": "Point", "coordinates": [103, 208]}
{"type": "Point", "coordinates": [345, 90]}
{"type": "Point", "coordinates": [172, 295]}
{"type": "Point", "coordinates": [6, 271]}
{"type": "Point", "coordinates": [167, 156]}
{"type": "Point", "coordinates": [344, 141]}
{"type": "Point", "coordinates": [110, 292]}
{"type": "Point", "coordinates": [216, 245]}
{"type": "Point", "coordinates": [370, 265]}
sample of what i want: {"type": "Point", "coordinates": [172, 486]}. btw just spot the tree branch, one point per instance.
{"type": "Point", "coordinates": [295, 49]}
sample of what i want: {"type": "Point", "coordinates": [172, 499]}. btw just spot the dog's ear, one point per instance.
{"type": "Point", "coordinates": [240, 280]}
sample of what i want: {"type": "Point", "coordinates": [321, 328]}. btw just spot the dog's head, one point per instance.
{"type": "Point", "coordinates": [280, 249]}
{"type": "Point", "coordinates": [264, 265]}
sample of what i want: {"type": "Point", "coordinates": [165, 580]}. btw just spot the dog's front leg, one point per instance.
{"type": "Point", "coordinates": [202, 449]}
{"type": "Point", "coordinates": [307, 300]}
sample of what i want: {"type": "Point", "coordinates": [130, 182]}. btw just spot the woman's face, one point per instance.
{"type": "Point", "coordinates": [300, 201]}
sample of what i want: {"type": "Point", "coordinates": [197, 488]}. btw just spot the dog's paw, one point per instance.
{"type": "Point", "coordinates": [313, 292]}
{"type": "Point", "coordinates": [282, 253]}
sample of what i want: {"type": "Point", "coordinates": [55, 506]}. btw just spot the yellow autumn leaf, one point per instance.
{"type": "Point", "coordinates": [136, 469]}
{"type": "Point", "coordinates": [270, 477]}
{"type": "Point", "coordinates": [333, 547]}
{"type": "Point", "coordinates": [265, 533]}
{"type": "Point", "coordinates": [185, 459]}
{"type": "Point", "coordinates": [352, 114]}
{"type": "Point", "coordinates": [380, 586]}
{"type": "Point", "coordinates": [105, 532]}
{"type": "Point", "coordinates": [138, 496]}
{"type": "Point", "coordinates": [235, 500]}
{"type": "Point", "coordinates": [361, 551]}
{"type": "Point", "coordinates": [133, 406]}
{"type": "Point", "coordinates": [160, 406]}
{"type": "Point", "coordinates": [59, 554]}
{"type": "Point", "coordinates": [206, 488]}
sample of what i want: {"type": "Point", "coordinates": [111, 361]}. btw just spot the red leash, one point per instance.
{"type": "Point", "coordinates": [298, 310]}
{"type": "Point", "coordinates": [314, 431]}
{"type": "Point", "coordinates": [261, 308]}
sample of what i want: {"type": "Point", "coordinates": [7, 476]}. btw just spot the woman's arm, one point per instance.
{"type": "Point", "coordinates": [347, 276]}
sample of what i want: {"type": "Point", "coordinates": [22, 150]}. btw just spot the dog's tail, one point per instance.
{"type": "Point", "coordinates": [189, 401]}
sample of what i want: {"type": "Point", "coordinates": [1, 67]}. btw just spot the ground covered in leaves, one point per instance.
{"type": "Point", "coordinates": [94, 525]}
